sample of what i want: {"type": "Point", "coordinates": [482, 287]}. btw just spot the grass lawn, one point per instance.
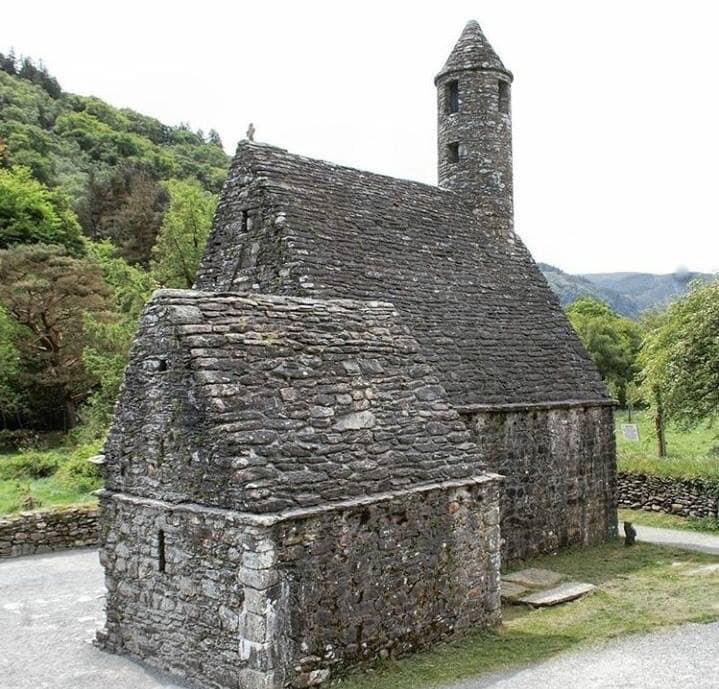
{"type": "Point", "coordinates": [692, 453]}
{"type": "Point", "coordinates": [33, 479]}
{"type": "Point", "coordinates": [668, 521]}
{"type": "Point", "coordinates": [17, 496]}
{"type": "Point", "coordinates": [640, 589]}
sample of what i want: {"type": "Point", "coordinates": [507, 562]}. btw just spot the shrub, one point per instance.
{"type": "Point", "coordinates": [77, 472]}
{"type": "Point", "coordinates": [12, 441]}
{"type": "Point", "coordinates": [29, 465]}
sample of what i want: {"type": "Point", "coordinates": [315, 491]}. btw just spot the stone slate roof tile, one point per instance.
{"type": "Point", "coordinates": [476, 302]}
{"type": "Point", "coordinates": [472, 51]}
{"type": "Point", "coordinates": [263, 403]}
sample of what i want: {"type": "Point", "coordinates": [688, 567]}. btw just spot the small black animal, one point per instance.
{"type": "Point", "coordinates": [630, 534]}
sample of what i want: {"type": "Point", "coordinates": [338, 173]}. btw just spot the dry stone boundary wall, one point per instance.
{"type": "Point", "coordinates": [685, 497]}
{"type": "Point", "coordinates": [29, 533]}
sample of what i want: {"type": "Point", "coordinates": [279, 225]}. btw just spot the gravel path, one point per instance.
{"type": "Point", "coordinates": [689, 540]}
{"type": "Point", "coordinates": [685, 656]}
{"type": "Point", "coordinates": [51, 605]}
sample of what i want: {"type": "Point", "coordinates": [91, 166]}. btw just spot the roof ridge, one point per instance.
{"type": "Point", "coordinates": [249, 149]}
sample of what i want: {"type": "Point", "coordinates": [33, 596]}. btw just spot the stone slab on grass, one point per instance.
{"type": "Point", "coordinates": [557, 595]}
{"type": "Point", "coordinates": [703, 571]}
{"type": "Point", "coordinates": [534, 578]}
{"type": "Point", "coordinates": [511, 592]}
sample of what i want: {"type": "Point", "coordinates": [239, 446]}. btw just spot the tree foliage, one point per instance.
{"type": "Point", "coordinates": [612, 341]}
{"type": "Point", "coordinates": [66, 139]}
{"type": "Point", "coordinates": [12, 401]}
{"type": "Point", "coordinates": [49, 293]}
{"type": "Point", "coordinates": [183, 234]}
{"type": "Point", "coordinates": [680, 356]}
{"type": "Point", "coordinates": [26, 68]}
{"type": "Point", "coordinates": [30, 213]}
{"type": "Point", "coordinates": [126, 208]}
{"type": "Point", "coordinates": [108, 340]}
{"type": "Point", "coordinates": [100, 182]}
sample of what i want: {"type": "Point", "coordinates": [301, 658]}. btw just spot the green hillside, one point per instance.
{"type": "Point", "coordinates": [647, 290]}
{"type": "Point", "coordinates": [569, 288]}
{"type": "Point", "coordinates": [107, 161]}
{"type": "Point", "coordinates": [629, 294]}
{"type": "Point", "coordinates": [98, 206]}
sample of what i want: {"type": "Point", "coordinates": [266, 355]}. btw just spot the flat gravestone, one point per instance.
{"type": "Point", "coordinates": [534, 578]}
{"type": "Point", "coordinates": [630, 431]}
{"type": "Point", "coordinates": [512, 592]}
{"type": "Point", "coordinates": [559, 594]}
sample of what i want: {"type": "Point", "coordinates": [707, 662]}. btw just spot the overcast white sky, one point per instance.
{"type": "Point", "coordinates": [615, 103]}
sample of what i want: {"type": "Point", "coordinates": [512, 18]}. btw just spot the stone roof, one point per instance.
{"type": "Point", "coordinates": [264, 403]}
{"type": "Point", "coordinates": [472, 51]}
{"type": "Point", "coordinates": [474, 299]}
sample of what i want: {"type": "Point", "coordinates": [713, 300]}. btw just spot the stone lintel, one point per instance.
{"type": "Point", "coordinates": [268, 520]}
{"type": "Point", "coordinates": [534, 406]}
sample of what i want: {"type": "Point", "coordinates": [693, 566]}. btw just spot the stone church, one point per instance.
{"type": "Point", "coordinates": [371, 398]}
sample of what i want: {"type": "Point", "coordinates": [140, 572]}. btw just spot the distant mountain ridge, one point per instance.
{"type": "Point", "coordinates": [629, 294]}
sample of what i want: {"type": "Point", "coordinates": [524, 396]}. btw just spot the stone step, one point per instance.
{"type": "Point", "coordinates": [557, 595]}
{"type": "Point", "coordinates": [512, 592]}
{"type": "Point", "coordinates": [534, 578]}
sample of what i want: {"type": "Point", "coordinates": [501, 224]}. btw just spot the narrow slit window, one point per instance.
{"type": "Point", "coordinates": [245, 220]}
{"type": "Point", "coordinates": [160, 551]}
{"type": "Point", "coordinates": [504, 97]}
{"type": "Point", "coordinates": [453, 96]}
{"type": "Point", "coordinates": [453, 152]}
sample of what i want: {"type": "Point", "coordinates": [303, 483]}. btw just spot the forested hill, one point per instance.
{"type": "Point", "coordinates": [648, 290]}
{"type": "Point", "coordinates": [107, 161]}
{"type": "Point", "coordinates": [569, 288]}
{"type": "Point", "coordinates": [99, 206]}
{"type": "Point", "coordinates": [629, 294]}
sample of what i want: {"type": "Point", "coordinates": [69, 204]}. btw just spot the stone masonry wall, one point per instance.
{"type": "Point", "coordinates": [560, 473]}
{"type": "Point", "coordinates": [483, 173]}
{"type": "Point", "coordinates": [29, 533]}
{"type": "Point", "coordinates": [389, 577]}
{"type": "Point", "coordinates": [480, 125]}
{"type": "Point", "coordinates": [184, 619]}
{"type": "Point", "coordinates": [685, 497]}
{"type": "Point", "coordinates": [296, 598]}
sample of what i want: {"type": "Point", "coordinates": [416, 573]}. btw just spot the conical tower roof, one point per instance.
{"type": "Point", "coordinates": [473, 51]}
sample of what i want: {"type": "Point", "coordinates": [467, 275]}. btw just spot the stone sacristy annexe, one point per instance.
{"type": "Point", "coordinates": [299, 476]}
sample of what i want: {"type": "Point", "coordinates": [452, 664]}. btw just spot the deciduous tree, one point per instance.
{"type": "Point", "coordinates": [680, 356]}
{"type": "Point", "coordinates": [11, 395]}
{"type": "Point", "coordinates": [612, 341]}
{"type": "Point", "coordinates": [108, 340]}
{"type": "Point", "coordinates": [30, 213]}
{"type": "Point", "coordinates": [182, 237]}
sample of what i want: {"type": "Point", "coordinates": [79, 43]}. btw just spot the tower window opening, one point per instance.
{"type": "Point", "coordinates": [245, 221]}
{"type": "Point", "coordinates": [504, 97]}
{"type": "Point", "coordinates": [160, 551]}
{"type": "Point", "coordinates": [452, 95]}
{"type": "Point", "coordinates": [453, 152]}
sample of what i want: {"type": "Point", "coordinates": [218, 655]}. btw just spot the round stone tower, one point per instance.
{"type": "Point", "coordinates": [475, 128]}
